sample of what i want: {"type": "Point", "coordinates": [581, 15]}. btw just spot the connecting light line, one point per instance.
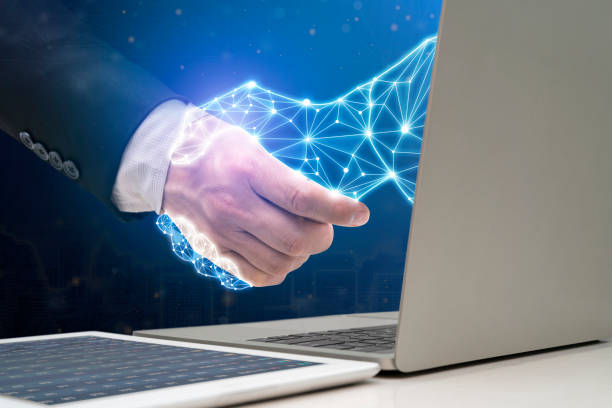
{"type": "Point", "coordinates": [352, 145]}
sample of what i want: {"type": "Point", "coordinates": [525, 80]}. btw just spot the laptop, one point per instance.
{"type": "Point", "coordinates": [510, 243]}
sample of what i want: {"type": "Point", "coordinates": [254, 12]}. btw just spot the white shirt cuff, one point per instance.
{"type": "Point", "coordinates": [140, 181]}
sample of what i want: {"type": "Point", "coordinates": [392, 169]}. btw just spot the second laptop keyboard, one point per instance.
{"type": "Point", "coordinates": [375, 339]}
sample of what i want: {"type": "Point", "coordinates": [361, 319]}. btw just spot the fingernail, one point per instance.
{"type": "Point", "coordinates": [360, 218]}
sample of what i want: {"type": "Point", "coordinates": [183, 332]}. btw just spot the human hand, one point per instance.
{"type": "Point", "coordinates": [245, 210]}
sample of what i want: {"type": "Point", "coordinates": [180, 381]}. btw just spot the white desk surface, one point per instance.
{"type": "Point", "coordinates": [571, 377]}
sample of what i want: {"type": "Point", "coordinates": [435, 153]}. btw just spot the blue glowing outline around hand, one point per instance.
{"type": "Point", "coordinates": [351, 145]}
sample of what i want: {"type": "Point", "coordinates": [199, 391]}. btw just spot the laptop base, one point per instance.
{"type": "Point", "coordinates": [242, 334]}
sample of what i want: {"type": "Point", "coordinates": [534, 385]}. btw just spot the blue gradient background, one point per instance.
{"type": "Point", "coordinates": [67, 264]}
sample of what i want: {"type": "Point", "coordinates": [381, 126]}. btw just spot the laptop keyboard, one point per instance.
{"type": "Point", "coordinates": [375, 339]}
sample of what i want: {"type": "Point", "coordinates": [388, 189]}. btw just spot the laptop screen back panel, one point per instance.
{"type": "Point", "coordinates": [510, 247]}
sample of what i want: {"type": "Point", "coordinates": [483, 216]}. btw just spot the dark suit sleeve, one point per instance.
{"type": "Point", "coordinates": [71, 92]}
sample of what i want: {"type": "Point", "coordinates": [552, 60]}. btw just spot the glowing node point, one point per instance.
{"type": "Point", "coordinates": [306, 102]}
{"type": "Point", "coordinates": [307, 139]}
{"type": "Point", "coordinates": [317, 159]}
{"type": "Point", "coordinates": [317, 110]}
{"type": "Point", "coordinates": [337, 121]}
{"type": "Point", "coordinates": [345, 170]}
{"type": "Point", "coordinates": [391, 174]}
{"type": "Point", "coordinates": [340, 100]}
{"type": "Point", "coordinates": [362, 174]}
{"type": "Point", "coordinates": [360, 112]}
{"type": "Point", "coordinates": [273, 111]}
{"type": "Point", "coordinates": [251, 84]}
{"type": "Point", "coordinates": [405, 129]}
{"type": "Point", "coordinates": [317, 173]}
{"type": "Point", "coordinates": [368, 133]}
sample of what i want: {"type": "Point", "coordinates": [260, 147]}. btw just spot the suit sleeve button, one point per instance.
{"type": "Point", "coordinates": [26, 139]}
{"type": "Point", "coordinates": [55, 160]}
{"type": "Point", "coordinates": [70, 169]}
{"type": "Point", "coordinates": [40, 151]}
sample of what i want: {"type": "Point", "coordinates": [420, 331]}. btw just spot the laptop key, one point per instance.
{"type": "Point", "coordinates": [319, 343]}
{"type": "Point", "coordinates": [298, 340]}
{"type": "Point", "coordinates": [340, 346]}
{"type": "Point", "coordinates": [374, 341]}
{"type": "Point", "coordinates": [361, 336]}
{"type": "Point", "coordinates": [372, 349]}
{"type": "Point", "coordinates": [341, 338]}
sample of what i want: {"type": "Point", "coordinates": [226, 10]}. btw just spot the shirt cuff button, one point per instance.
{"type": "Point", "coordinates": [55, 160]}
{"type": "Point", "coordinates": [70, 169]}
{"type": "Point", "coordinates": [26, 139]}
{"type": "Point", "coordinates": [40, 151]}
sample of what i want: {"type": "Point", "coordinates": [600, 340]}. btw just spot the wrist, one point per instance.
{"type": "Point", "coordinates": [186, 154]}
{"type": "Point", "coordinates": [144, 165]}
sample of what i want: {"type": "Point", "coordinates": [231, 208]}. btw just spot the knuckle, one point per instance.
{"type": "Point", "coordinates": [297, 198]}
{"type": "Point", "coordinates": [223, 203]}
{"type": "Point", "coordinates": [243, 167]}
{"type": "Point", "coordinates": [227, 206]}
{"type": "Point", "coordinates": [295, 245]}
{"type": "Point", "coordinates": [277, 279]}
{"type": "Point", "coordinates": [327, 236]}
{"type": "Point", "coordinates": [299, 261]}
{"type": "Point", "coordinates": [278, 264]}
{"type": "Point", "coordinates": [280, 279]}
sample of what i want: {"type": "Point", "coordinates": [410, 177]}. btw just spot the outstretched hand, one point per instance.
{"type": "Point", "coordinates": [261, 215]}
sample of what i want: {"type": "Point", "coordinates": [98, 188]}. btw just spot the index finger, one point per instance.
{"type": "Point", "coordinates": [297, 194]}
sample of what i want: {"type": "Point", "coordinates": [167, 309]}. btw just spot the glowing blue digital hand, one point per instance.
{"type": "Point", "coordinates": [352, 145]}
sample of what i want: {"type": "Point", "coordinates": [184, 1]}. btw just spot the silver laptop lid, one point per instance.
{"type": "Point", "coordinates": [510, 246]}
